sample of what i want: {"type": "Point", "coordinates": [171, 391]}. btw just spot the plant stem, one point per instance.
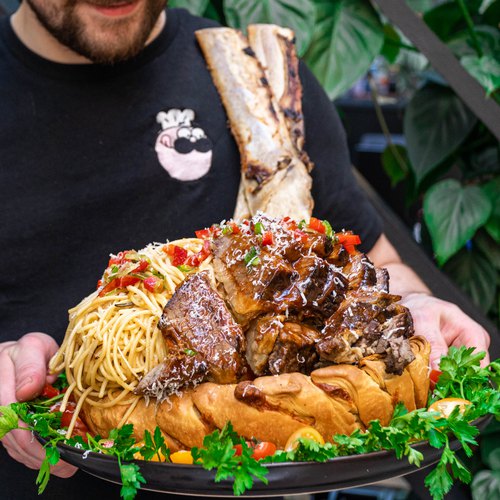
{"type": "Point", "coordinates": [470, 27]}
{"type": "Point", "coordinates": [384, 127]}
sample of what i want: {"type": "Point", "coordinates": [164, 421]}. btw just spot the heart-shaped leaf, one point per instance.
{"type": "Point", "coordinates": [436, 122]}
{"type": "Point", "coordinates": [348, 35]}
{"type": "Point", "coordinates": [196, 7]}
{"type": "Point", "coordinates": [299, 15]}
{"type": "Point", "coordinates": [453, 214]}
{"type": "Point", "coordinates": [474, 274]}
{"type": "Point", "coordinates": [485, 69]}
{"type": "Point", "coordinates": [486, 485]}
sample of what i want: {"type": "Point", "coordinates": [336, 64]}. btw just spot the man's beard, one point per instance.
{"type": "Point", "coordinates": [111, 41]}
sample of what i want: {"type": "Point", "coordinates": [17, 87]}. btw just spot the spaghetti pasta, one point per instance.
{"type": "Point", "coordinates": [113, 340]}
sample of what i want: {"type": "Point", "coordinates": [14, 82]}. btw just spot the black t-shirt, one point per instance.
{"type": "Point", "coordinates": [91, 163]}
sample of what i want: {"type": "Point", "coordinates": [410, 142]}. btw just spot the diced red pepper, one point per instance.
{"type": "Point", "coordinates": [115, 283]}
{"type": "Point", "coordinates": [116, 260]}
{"type": "Point", "coordinates": [317, 225]}
{"type": "Point", "coordinates": [153, 284]}
{"type": "Point", "coordinates": [349, 241]}
{"type": "Point", "coordinates": [126, 281]}
{"type": "Point", "coordinates": [143, 265]}
{"type": "Point", "coordinates": [203, 234]}
{"type": "Point", "coordinates": [236, 229]}
{"type": "Point", "coordinates": [178, 255]}
{"type": "Point", "coordinates": [289, 224]}
{"type": "Point", "coordinates": [267, 238]}
{"type": "Point", "coordinates": [80, 428]}
{"type": "Point", "coordinates": [196, 259]}
{"type": "Point", "coordinates": [49, 391]}
{"type": "Point", "coordinates": [300, 235]}
{"type": "Point", "coordinates": [434, 377]}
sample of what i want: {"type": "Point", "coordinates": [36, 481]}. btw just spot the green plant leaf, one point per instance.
{"type": "Point", "coordinates": [348, 35]}
{"type": "Point", "coordinates": [395, 162]}
{"type": "Point", "coordinates": [486, 161]}
{"type": "Point", "coordinates": [436, 122]}
{"type": "Point", "coordinates": [196, 7]}
{"type": "Point", "coordinates": [453, 214]}
{"type": "Point", "coordinates": [485, 69]}
{"type": "Point", "coordinates": [474, 274]}
{"type": "Point", "coordinates": [486, 485]}
{"type": "Point", "coordinates": [487, 245]}
{"type": "Point", "coordinates": [390, 49]}
{"type": "Point", "coordinates": [488, 37]}
{"type": "Point", "coordinates": [491, 15]}
{"type": "Point", "coordinates": [492, 191]}
{"type": "Point", "coordinates": [299, 15]}
{"type": "Point", "coordinates": [420, 5]}
{"type": "Point", "coordinates": [445, 20]}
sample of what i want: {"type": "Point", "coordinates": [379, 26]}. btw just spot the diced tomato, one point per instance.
{"type": "Point", "coordinates": [142, 266]}
{"type": "Point", "coordinates": [317, 225]}
{"type": "Point", "coordinates": [348, 241]}
{"type": "Point", "coordinates": [239, 448]}
{"type": "Point", "coordinates": [289, 224]}
{"type": "Point", "coordinates": [236, 229]}
{"type": "Point", "coordinates": [80, 428]}
{"type": "Point", "coordinates": [153, 284]}
{"type": "Point", "coordinates": [49, 391]}
{"type": "Point", "coordinates": [203, 234]}
{"type": "Point", "coordinates": [126, 281]}
{"type": "Point", "coordinates": [300, 236]}
{"type": "Point", "coordinates": [267, 238]}
{"type": "Point", "coordinates": [434, 377]}
{"type": "Point", "coordinates": [117, 259]}
{"type": "Point", "coordinates": [263, 450]}
{"type": "Point", "coordinates": [196, 259]}
{"type": "Point", "coordinates": [178, 255]}
{"type": "Point", "coordinates": [115, 283]}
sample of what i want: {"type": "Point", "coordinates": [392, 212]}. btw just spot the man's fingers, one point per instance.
{"type": "Point", "coordinates": [438, 347]}
{"type": "Point", "coordinates": [30, 357]}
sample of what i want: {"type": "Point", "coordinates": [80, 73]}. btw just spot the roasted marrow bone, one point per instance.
{"type": "Point", "coordinates": [274, 177]}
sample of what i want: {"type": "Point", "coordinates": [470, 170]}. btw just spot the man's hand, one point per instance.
{"type": "Point", "coordinates": [23, 373]}
{"type": "Point", "coordinates": [444, 324]}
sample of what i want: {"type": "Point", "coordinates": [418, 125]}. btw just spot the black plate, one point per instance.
{"type": "Point", "coordinates": [284, 478]}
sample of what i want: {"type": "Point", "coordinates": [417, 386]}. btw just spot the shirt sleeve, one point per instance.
{"type": "Point", "coordinates": [337, 196]}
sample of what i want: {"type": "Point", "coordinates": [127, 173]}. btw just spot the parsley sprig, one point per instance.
{"type": "Point", "coordinates": [219, 453]}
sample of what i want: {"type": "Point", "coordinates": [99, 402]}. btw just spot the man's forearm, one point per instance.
{"type": "Point", "coordinates": [402, 280]}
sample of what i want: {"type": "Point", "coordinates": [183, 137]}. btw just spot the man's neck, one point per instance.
{"type": "Point", "coordinates": [35, 37]}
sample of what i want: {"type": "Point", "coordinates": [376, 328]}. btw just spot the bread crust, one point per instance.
{"type": "Point", "coordinates": [336, 399]}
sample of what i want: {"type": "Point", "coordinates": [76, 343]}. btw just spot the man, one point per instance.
{"type": "Point", "coordinates": [102, 103]}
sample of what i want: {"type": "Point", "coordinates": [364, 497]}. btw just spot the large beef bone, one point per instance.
{"type": "Point", "coordinates": [274, 47]}
{"type": "Point", "coordinates": [274, 177]}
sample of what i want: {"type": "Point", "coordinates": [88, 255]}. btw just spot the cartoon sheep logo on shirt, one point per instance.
{"type": "Point", "coordinates": [183, 149]}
